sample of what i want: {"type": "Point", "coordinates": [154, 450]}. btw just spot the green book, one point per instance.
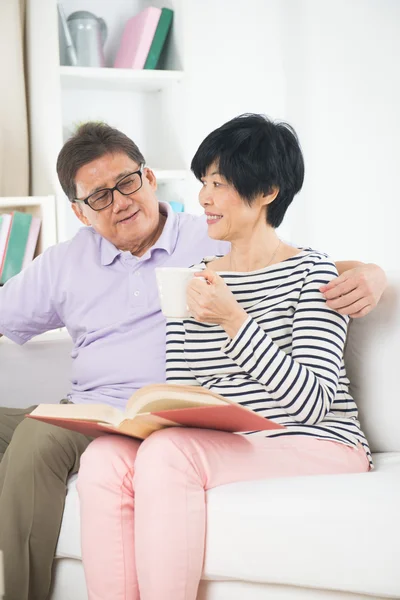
{"type": "Point", "coordinates": [163, 27]}
{"type": "Point", "coordinates": [20, 226]}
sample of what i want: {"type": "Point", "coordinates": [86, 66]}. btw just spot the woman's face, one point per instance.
{"type": "Point", "coordinates": [229, 217]}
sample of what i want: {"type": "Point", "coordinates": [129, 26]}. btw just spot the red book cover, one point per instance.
{"type": "Point", "coordinates": [229, 417]}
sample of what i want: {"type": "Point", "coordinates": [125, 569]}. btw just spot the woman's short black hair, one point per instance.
{"type": "Point", "coordinates": [253, 154]}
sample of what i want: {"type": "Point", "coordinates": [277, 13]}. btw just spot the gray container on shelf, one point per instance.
{"type": "Point", "coordinates": [66, 45]}
{"type": "Point", "coordinates": [88, 34]}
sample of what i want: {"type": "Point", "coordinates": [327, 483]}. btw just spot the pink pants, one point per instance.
{"type": "Point", "coordinates": [143, 505]}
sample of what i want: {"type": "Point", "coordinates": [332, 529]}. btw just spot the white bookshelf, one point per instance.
{"type": "Point", "coordinates": [166, 175]}
{"type": "Point", "coordinates": [87, 78]}
{"type": "Point", "coordinates": [43, 207]}
{"type": "Point", "coordinates": [147, 105]}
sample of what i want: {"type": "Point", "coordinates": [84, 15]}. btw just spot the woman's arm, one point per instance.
{"type": "Point", "coordinates": [177, 370]}
{"type": "Point", "coordinates": [304, 383]}
{"type": "Point", "coordinates": [357, 290]}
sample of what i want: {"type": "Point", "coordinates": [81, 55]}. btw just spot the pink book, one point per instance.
{"type": "Point", "coordinates": [155, 407]}
{"type": "Point", "coordinates": [32, 241]}
{"type": "Point", "coordinates": [6, 222]}
{"type": "Point", "coordinates": [136, 39]}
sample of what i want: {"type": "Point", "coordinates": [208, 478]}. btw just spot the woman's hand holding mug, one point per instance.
{"type": "Point", "coordinates": [210, 301]}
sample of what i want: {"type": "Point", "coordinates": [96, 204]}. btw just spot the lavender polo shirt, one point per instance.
{"type": "Point", "coordinates": [108, 301]}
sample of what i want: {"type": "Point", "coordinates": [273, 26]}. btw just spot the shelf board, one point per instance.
{"type": "Point", "coordinates": [21, 201]}
{"type": "Point", "coordinates": [90, 78]}
{"type": "Point", "coordinates": [166, 175]}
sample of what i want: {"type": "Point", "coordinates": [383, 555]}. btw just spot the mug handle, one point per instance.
{"type": "Point", "coordinates": [103, 29]}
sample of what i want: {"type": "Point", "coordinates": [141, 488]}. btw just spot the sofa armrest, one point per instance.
{"type": "Point", "coordinates": [371, 358]}
{"type": "Point", "coordinates": [37, 372]}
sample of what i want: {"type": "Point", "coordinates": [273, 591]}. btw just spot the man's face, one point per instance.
{"type": "Point", "coordinates": [130, 222]}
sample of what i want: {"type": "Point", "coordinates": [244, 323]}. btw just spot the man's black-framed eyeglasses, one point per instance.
{"type": "Point", "coordinates": [103, 198]}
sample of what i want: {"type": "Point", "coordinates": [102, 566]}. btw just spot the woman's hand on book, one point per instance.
{"type": "Point", "coordinates": [210, 301]}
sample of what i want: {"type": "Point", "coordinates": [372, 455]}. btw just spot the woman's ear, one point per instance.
{"type": "Point", "coordinates": [148, 174]}
{"type": "Point", "coordinates": [270, 197]}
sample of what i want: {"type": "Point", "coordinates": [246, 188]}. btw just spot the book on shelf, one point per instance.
{"type": "Point", "coordinates": [18, 239]}
{"type": "Point", "coordinates": [32, 241]}
{"type": "Point", "coordinates": [137, 39]}
{"type": "Point", "coordinates": [5, 228]}
{"type": "Point", "coordinates": [160, 36]}
{"type": "Point", "coordinates": [155, 407]}
{"type": "Point", "coordinates": [177, 206]}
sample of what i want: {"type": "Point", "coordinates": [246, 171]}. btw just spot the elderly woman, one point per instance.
{"type": "Point", "coordinates": [261, 334]}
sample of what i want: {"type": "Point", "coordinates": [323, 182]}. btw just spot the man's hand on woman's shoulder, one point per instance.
{"type": "Point", "coordinates": [357, 290]}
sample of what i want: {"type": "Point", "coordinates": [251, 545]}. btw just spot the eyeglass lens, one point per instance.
{"type": "Point", "coordinates": [103, 198]}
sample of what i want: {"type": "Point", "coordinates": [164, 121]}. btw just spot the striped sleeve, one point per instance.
{"type": "Point", "coordinates": [177, 370]}
{"type": "Point", "coordinates": [304, 383]}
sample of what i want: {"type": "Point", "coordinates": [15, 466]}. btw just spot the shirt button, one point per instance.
{"type": "Point", "coordinates": [136, 293]}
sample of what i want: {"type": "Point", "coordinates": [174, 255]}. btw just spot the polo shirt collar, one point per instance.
{"type": "Point", "coordinates": [169, 235]}
{"type": "Point", "coordinates": [108, 252]}
{"type": "Point", "coordinates": [167, 240]}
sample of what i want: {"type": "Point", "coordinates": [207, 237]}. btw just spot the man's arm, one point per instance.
{"type": "Point", "coordinates": [357, 290]}
{"type": "Point", "coordinates": [28, 304]}
{"type": "Point", "coordinates": [346, 265]}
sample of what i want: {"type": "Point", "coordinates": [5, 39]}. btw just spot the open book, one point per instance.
{"type": "Point", "coordinates": [155, 407]}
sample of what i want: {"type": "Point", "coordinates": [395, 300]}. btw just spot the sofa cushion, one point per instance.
{"type": "Point", "coordinates": [46, 367]}
{"type": "Point", "coordinates": [293, 530]}
{"type": "Point", "coordinates": [372, 360]}
{"type": "Point", "coordinates": [290, 531]}
{"type": "Point", "coordinates": [69, 540]}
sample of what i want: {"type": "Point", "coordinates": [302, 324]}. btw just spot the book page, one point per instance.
{"type": "Point", "coordinates": [167, 396]}
{"type": "Point", "coordinates": [143, 425]}
{"type": "Point", "coordinates": [99, 413]}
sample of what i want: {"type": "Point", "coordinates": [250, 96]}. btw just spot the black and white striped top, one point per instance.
{"type": "Point", "coordinates": [286, 362]}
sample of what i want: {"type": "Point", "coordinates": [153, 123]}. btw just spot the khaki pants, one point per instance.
{"type": "Point", "coordinates": [36, 460]}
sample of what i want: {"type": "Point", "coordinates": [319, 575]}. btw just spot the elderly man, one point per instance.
{"type": "Point", "coordinates": [100, 286]}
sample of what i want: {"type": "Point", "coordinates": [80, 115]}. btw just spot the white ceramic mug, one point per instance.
{"type": "Point", "coordinates": [172, 284]}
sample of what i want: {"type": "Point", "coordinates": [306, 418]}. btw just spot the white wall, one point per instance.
{"type": "Point", "coordinates": [233, 60]}
{"type": "Point", "coordinates": [331, 68]}
{"type": "Point", "coordinates": [344, 99]}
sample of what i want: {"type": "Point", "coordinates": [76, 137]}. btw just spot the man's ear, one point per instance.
{"type": "Point", "coordinates": [270, 197]}
{"type": "Point", "coordinates": [150, 177]}
{"type": "Point", "coordinates": [78, 212]}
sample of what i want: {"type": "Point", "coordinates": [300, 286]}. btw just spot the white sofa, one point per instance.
{"type": "Point", "coordinates": [306, 538]}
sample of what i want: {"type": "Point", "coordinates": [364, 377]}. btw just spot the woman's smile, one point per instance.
{"type": "Point", "coordinates": [212, 218]}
